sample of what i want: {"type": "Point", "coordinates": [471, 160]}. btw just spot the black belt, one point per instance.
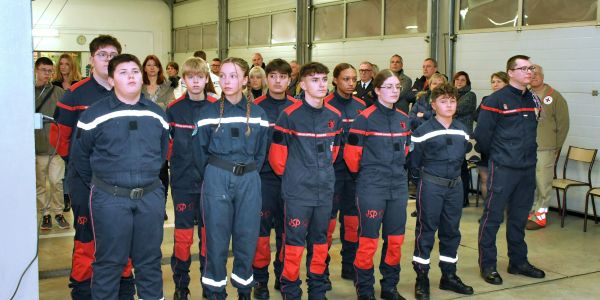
{"type": "Point", "coordinates": [440, 180]}
{"type": "Point", "coordinates": [135, 193]}
{"type": "Point", "coordinates": [235, 168]}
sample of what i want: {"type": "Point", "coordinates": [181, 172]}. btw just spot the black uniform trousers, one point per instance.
{"type": "Point", "coordinates": [377, 210]}
{"type": "Point", "coordinates": [231, 211]}
{"type": "Point", "coordinates": [124, 228]}
{"type": "Point", "coordinates": [439, 208]}
{"type": "Point", "coordinates": [512, 189]}
{"type": "Point", "coordinates": [83, 246]}
{"type": "Point", "coordinates": [305, 223]}
{"type": "Point", "coordinates": [271, 216]}
{"type": "Point", "coordinates": [186, 206]}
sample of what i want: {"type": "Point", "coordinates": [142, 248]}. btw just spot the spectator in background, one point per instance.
{"type": "Point", "coordinates": [364, 88]}
{"type": "Point", "coordinates": [173, 73]}
{"type": "Point", "coordinates": [406, 96]}
{"type": "Point", "coordinates": [257, 83]}
{"type": "Point", "coordinates": [257, 60]}
{"type": "Point", "coordinates": [465, 110]}
{"type": "Point", "coordinates": [553, 126]}
{"type": "Point", "coordinates": [156, 87]}
{"type": "Point", "coordinates": [215, 66]}
{"type": "Point", "coordinates": [294, 88]}
{"type": "Point", "coordinates": [214, 78]}
{"type": "Point", "coordinates": [66, 73]}
{"type": "Point", "coordinates": [498, 81]}
{"type": "Point", "coordinates": [49, 167]}
{"type": "Point", "coordinates": [422, 111]}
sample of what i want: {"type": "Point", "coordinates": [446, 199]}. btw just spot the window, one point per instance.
{"type": "Point", "coordinates": [284, 28]}
{"type": "Point", "coordinates": [238, 33]}
{"type": "Point", "coordinates": [328, 22]}
{"type": "Point", "coordinates": [259, 33]}
{"type": "Point", "coordinates": [480, 14]}
{"type": "Point", "coordinates": [405, 17]}
{"type": "Point", "coordinates": [537, 12]}
{"type": "Point", "coordinates": [363, 18]}
{"type": "Point", "coordinates": [181, 40]}
{"type": "Point", "coordinates": [195, 38]}
{"type": "Point", "coordinates": [209, 36]}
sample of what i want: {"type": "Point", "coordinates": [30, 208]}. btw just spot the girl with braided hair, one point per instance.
{"type": "Point", "coordinates": [229, 148]}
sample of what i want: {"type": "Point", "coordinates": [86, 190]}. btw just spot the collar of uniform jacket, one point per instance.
{"type": "Point", "coordinates": [98, 86]}
{"type": "Point", "coordinates": [114, 101]}
{"type": "Point", "coordinates": [517, 91]}
{"type": "Point", "coordinates": [240, 105]}
{"type": "Point", "coordinates": [384, 109]}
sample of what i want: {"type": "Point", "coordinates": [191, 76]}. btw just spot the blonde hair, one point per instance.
{"type": "Point", "coordinates": [74, 73]}
{"type": "Point", "coordinates": [432, 78]}
{"type": "Point", "coordinates": [198, 66]}
{"type": "Point", "coordinates": [257, 72]}
{"type": "Point", "coordinates": [243, 65]}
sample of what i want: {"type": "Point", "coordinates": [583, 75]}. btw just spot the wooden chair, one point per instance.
{"type": "Point", "coordinates": [581, 155]}
{"type": "Point", "coordinates": [590, 196]}
{"type": "Point", "coordinates": [473, 157]}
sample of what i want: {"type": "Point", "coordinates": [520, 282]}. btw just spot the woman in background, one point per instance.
{"type": "Point", "coordinates": [66, 73]}
{"type": "Point", "coordinates": [257, 83]}
{"type": "Point", "coordinates": [465, 110]}
{"type": "Point", "coordinates": [156, 87]}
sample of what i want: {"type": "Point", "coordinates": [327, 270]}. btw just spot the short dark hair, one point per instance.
{"type": "Point", "coordinates": [119, 59]}
{"type": "Point", "coordinates": [313, 68]}
{"type": "Point", "coordinates": [104, 40]}
{"type": "Point", "coordinates": [398, 56]}
{"type": "Point", "coordinates": [200, 54]}
{"type": "Point", "coordinates": [279, 65]}
{"type": "Point", "coordinates": [341, 67]}
{"type": "Point", "coordinates": [445, 89]}
{"type": "Point", "coordinates": [43, 61]}
{"type": "Point", "coordinates": [512, 62]}
{"type": "Point", "coordinates": [431, 59]}
{"type": "Point", "coordinates": [216, 59]}
{"type": "Point", "coordinates": [461, 73]}
{"type": "Point", "coordinates": [174, 65]}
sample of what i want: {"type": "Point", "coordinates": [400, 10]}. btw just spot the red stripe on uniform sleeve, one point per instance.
{"type": "Point", "coordinates": [352, 157]}
{"type": "Point", "coordinates": [278, 158]}
{"type": "Point", "coordinates": [170, 150]}
{"type": "Point", "coordinates": [71, 108]}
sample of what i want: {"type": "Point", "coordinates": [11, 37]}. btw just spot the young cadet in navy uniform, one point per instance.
{"type": "Point", "coordinates": [376, 150]}
{"type": "Point", "coordinates": [344, 81]}
{"type": "Point", "coordinates": [305, 145]}
{"type": "Point", "coordinates": [120, 145]}
{"type": "Point", "coordinates": [440, 145]}
{"type": "Point", "coordinates": [186, 182]}
{"type": "Point", "coordinates": [230, 148]}
{"type": "Point", "coordinates": [506, 132]}
{"type": "Point", "coordinates": [76, 100]}
{"type": "Point", "coordinates": [271, 215]}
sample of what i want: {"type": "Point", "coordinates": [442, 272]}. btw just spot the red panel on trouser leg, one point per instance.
{"type": "Point", "coordinates": [394, 249]}
{"type": "Point", "coordinates": [291, 262]}
{"type": "Point", "coordinates": [364, 254]}
{"type": "Point", "coordinates": [128, 269]}
{"type": "Point", "coordinates": [330, 230]}
{"type": "Point", "coordinates": [184, 238]}
{"type": "Point", "coordinates": [262, 258]}
{"type": "Point", "coordinates": [83, 256]}
{"type": "Point", "coordinates": [317, 264]}
{"type": "Point", "coordinates": [351, 229]}
{"type": "Point", "coordinates": [203, 239]}
{"type": "Point", "coordinates": [281, 251]}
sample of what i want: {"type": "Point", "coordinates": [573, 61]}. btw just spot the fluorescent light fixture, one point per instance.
{"type": "Point", "coordinates": [44, 32]}
{"type": "Point", "coordinates": [412, 27]}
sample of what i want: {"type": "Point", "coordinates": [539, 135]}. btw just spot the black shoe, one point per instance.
{"type": "Point", "coordinates": [391, 295]}
{"type": "Point", "coordinates": [348, 273]}
{"type": "Point", "coordinates": [366, 297]}
{"type": "Point", "coordinates": [244, 296]}
{"type": "Point", "coordinates": [526, 269]}
{"type": "Point", "coordinates": [166, 217]}
{"type": "Point", "coordinates": [413, 214]}
{"type": "Point", "coordinates": [46, 223]}
{"type": "Point", "coordinates": [181, 294]}
{"type": "Point", "coordinates": [67, 203]}
{"type": "Point", "coordinates": [61, 222]}
{"type": "Point", "coordinates": [277, 284]}
{"type": "Point", "coordinates": [204, 294]}
{"type": "Point", "coordinates": [422, 288]}
{"type": "Point", "coordinates": [317, 297]}
{"type": "Point", "coordinates": [327, 284]}
{"type": "Point", "coordinates": [491, 276]}
{"type": "Point", "coordinates": [261, 291]}
{"type": "Point", "coordinates": [451, 282]}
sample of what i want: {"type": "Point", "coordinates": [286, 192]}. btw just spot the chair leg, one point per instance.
{"type": "Point", "coordinates": [558, 200]}
{"type": "Point", "coordinates": [585, 214]}
{"type": "Point", "coordinates": [594, 208]}
{"type": "Point", "coordinates": [564, 209]}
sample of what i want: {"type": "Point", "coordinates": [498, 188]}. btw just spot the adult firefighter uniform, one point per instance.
{"type": "Point", "coordinates": [118, 150]}
{"type": "Point", "coordinates": [376, 149]}
{"type": "Point", "coordinates": [271, 214]}
{"type": "Point", "coordinates": [305, 145]}
{"type": "Point", "coordinates": [230, 148]}
{"type": "Point", "coordinates": [345, 187]}
{"type": "Point", "coordinates": [186, 185]}
{"type": "Point", "coordinates": [76, 100]}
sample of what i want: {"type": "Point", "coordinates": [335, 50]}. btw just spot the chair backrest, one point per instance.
{"type": "Point", "coordinates": [582, 155]}
{"type": "Point", "coordinates": [473, 155]}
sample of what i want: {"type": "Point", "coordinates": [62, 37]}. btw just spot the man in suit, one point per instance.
{"type": "Point", "coordinates": [364, 89]}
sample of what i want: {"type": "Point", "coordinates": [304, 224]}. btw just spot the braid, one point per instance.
{"type": "Point", "coordinates": [221, 110]}
{"type": "Point", "coordinates": [248, 107]}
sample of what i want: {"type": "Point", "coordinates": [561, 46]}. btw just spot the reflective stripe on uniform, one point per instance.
{"type": "Point", "coordinates": [121, 113]}
{"type": "Point", "coordinates": [421, 260]}
{"type": "Point", "coordinates": [418, 139]}
{"type": "Point", "coordinates": [449, 259]}
{"type": "Point", "coordinates": [211, 282]}
{"type": "Point", "coordinates": [242, 281]}
{"type": "Point", "coordinates": [229, 120]}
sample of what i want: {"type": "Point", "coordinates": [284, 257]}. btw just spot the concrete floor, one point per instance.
{"type": "Point", "coordinates": [570, 257]}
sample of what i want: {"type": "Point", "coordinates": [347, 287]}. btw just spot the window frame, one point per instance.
{"type": "Point", "coordinates": [187, 41]}
{"type": "Point", "coordinates": [270, 39]}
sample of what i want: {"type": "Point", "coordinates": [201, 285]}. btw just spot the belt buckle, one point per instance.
{"type": "Point", "coordinates": [238, 169]}
{"type": "Point", "coordinates": [452, 183]}
{"type": "Point", "coordinates": [136, 193]}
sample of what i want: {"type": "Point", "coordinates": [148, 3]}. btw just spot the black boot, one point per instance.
{"type": "Point", "coordinates": [67, 203]}
{"type": "Point", "coordinates": [366, 297]}
{"type": "Point", "coordinates": [277, 285]}
{"type": "Point", "coordinates": [348, 273]}
{"type": "Point", "coordinates": [261, 291]}
{"type": "Point", "coordinates": [244, 296]}
{"type": "Point", "coordinates": [391, 295]}
{"type": "Point", "coordinates": [422, 287]}
{"type": "Point", "coordinates": [453, 283]}
{"type": "Point", "coordinates": [181, 294]}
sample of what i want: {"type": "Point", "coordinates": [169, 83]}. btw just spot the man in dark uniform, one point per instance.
{"type": "Point", "coordinates": [274, 102]}
{"type": "Point", "coordinates": [76, 100]}
{"type": "Point", "coordinates": [119, 147]}
{"type": "Point", "coordinates": [506, 132]}
{"type": "Point", "coordinates": [305, 145]}
{"type": "Point", "coordinates": [364, 88]}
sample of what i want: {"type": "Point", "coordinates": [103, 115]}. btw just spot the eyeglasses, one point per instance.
{"type": "Point", "coordinates": [525, 69]}
{"type": "Point", "coordinates": [364, 70]}
{"type": "Point", "coordinates": [47, 71]}
{"type": "Point", "coordinates": [391, 86]}
{"type": "Point", "coordinates": [106, 55]}
{"type": "Point", "coordinates": [215, 65]}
